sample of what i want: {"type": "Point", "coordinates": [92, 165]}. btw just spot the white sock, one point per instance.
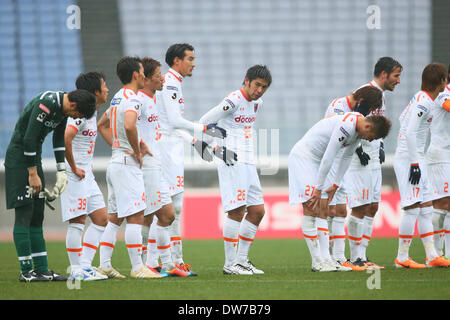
{"type": "Point", "coordinates": [339, 239]}
{"type": "Point", "coordinates": [230, 239]}
{"type": "Point", "coordinates": [324, 238]}
{"type": "Point", "coordinates": [439, 230]}
{"type": "Point", "coordinates": [425, 227]}
{"type": "Point", "coordinates": [312, 240]}
{"type": "Point", "coordinates": [144, 233]}
{"type": "Point", "coordinates": [163, 245]}
{"type": "Point", "coordinates": [367, 234]}
{"type": "Point", "coordinates": [90, 244]}
{"type": "Point", "coordinates": [330, 228]}
{"type": "Point", "coordinates": [447, 234]}
{"type": "Point", "coordinates": [406, 232]}
{"type": "Point", "coordinates": [247, 232]}
{"type": "Point", "coordinates": [107, 243]}
{"type": "Point", "coordinates": [133, 241]}
{"type": "Point", "coordinates": [175, 230]}
{"type": "Point", "coordinates": [355, 232]}
{"type": "Point", "coordinates": [73, 244]}
{"type": "Point", "coordinates": [152, 249]}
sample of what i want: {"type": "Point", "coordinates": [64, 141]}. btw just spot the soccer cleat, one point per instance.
{"type": "Point", "coordinates": [32, 276]}
{"type": "Point", "coordinates": [237, 269]}
{"type": "Point", "coordinates": [446, 258]}
{"type": "Point", "coordinates": [438, 262]}
{"type": "Point", "coordinates": [145, 273]}
{"type": "Point", "coordinates": [250, 266]}
{"type": "Point", "coordinates": [97, 275]}
{"type": "Point", "coordinates": [354, 267]}
{"type": "Point", "coordinates": [339, 266]}
{"type": "Point", "coordinates": [371, 266]}
{"type": "Point", "coordinates": [187, 268]}
{"type": "Point", "coordinates": [111, 273]}
{"type": "Point", "coordinates": [83, 275]}
{"type": "Point", "coordinates": [323, 266]}
{"type": "Point", "coordinates": [51, 275]}
{"type": "Point", "coordinates": [174, 272]}
{"type": "Point", "coordinates": [409, 264]}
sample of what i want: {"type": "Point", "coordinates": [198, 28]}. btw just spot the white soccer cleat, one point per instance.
{"type": "Point", "coordinates": [322, 266]}
{"type": "Point", "coordinates": [111, 273]}
{"type": "Point", "coordinates": [96, 274]}
{"type": "Point", "coordinates": [145, 273]}
{"type": "Point", "coordinates": [338, 266]}
{"type": "Point", "coordinates": [82, 275]}
{"type": "Point", "coordinates": [250, 266]}
{"type": "Point", "coordinates": [237, 269]}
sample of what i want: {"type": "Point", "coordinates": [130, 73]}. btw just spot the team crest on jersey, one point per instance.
{"type": "Point", "coordinates": [256, 107]}
{"type": "Point", "coordinates": [174, 96]}
{"type": "Point", "coordinates": [41, 117]}
{"type": "Point", "coordinates": [341, 139]}
{"type": "Point", "coordinates": [420, 114]}
{"type": "Point", "coordinates": [78, 122]}
{"type": "Point", "coordinates": [136, 107]}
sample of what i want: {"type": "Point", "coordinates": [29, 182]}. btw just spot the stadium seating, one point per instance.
{"type": "Point", "coordinates": [38, 53]}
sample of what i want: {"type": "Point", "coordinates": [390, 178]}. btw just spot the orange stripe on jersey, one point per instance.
{"type": "Point", "coordinates": [348, 102]}
{"type": "Point", "coordinates": [178, 78]}
{"type": "Point", "coordinates": [429, 95]}
{"type": "Point", "coordinates": [334, 101]}
{"type": "Point", "coordinates": [243, 94]}
{"type": "Point", "coordinates": [115, 123]}
{"type": "Point", "coordinates": [446, 105]}
{"type": "Point", "coordinates": [72, 126]}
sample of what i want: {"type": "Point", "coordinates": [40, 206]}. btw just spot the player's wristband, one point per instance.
{"type": "Point", "coordinates": [414, 164]}
{"type": "Point", "coordinates": [61, 166]}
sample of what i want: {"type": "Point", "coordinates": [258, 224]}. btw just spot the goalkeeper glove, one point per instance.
{"type": "Point", "coordinates": [203, 150]}
{"type": "Point", "coordinates": [228, 156]}
{"type": "Point", "coordinates": [414, 173]}
{"type": "Point", "coordinates": [382, 155]}
{"type": "Point", "coordinates": [49, 197]}
{"type": "Point", "coordinates": [215, 131]}
{"type": "Point", "coordinates": [363, 157]}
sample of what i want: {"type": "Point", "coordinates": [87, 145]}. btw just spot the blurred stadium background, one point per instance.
{"type": "Point", "coordinates": [316, 51]}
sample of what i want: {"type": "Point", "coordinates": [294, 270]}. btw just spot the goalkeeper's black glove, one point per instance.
{"type": "Point", "coordinates": [382, 155]}
{"type": "Point", "coordinates": [203, 150]}
{"type": "Point", "coordinates": [214, 130]}
{"type": "Point", "coordinates": [363, 157]}
{"type": "Point", "coordinates": [228, 156]}
{"type": "Point", "coordinates": [414, 173]}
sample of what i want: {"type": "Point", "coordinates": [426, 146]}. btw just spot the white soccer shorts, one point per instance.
{"type": "Point", "coordinates": [156, 190]}
{"type": "Point", "coordinates": [302, 174]}
{"type": "Point", "coordinates": [376, 185]}
{"type": "Point", "coordinates": [340, 197]}
{"type": "Point", "coordinates": [81, 197]}
{"type": "Point", "coordinates": [172, 162]}
{"type": "Point", "coordinates": [126, 191]}
{"type": "Point", "coordinates": [439, 175]}
{"type": "Point", "coordinates": [239, 186]}
{"type": "Point", "coordinates": [411, 194]}
{"type": "Point", "coordinates": [358, 184]}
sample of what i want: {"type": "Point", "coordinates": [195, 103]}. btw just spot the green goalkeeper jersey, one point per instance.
{"type": "Point", "coordinates": [41, 116]}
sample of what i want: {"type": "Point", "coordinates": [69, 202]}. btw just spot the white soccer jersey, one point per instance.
{"type": "Point", "coordinates": [321, 144]}
{"type": "Point", "coordinates": [150, 129]}
{"type": "Point", "coordinates": [237, 115]}
{"type": "Point", "coordinates": [414, 127]}
{"type": "Point", "coordinates": [439, 149]}
{"type": "Point", "coordinates": [83, 144]}
{"type": "Point", "coordinates": [371, 148]}
{"type": "Point", "coordinates": [125, 100]}
{"type": "Point", "coordinates": [339, 106]}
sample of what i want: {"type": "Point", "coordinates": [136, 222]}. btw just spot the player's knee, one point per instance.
{"type": "Point", "coordinates": [79, 219]}
{"type": "Point", "coordinates": [373, 209]}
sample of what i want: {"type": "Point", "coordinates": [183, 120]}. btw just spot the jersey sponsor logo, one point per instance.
{"type": "Point", "coordinates": [152, 118]}
{"type": "Point", "coordinates": [243, 119]}
{"type": "Point", "coordinates": [172, 88]}
{"type": "Point", "coordinates": [229, 104]}
{"type": "Point", "coordinates": [338, 111]}
{"type": "Point", "coordinates": [344, 131]}
{"type": "Point", "coordinates": [116, 101]}
{"type": "Point", "coordinates": [429, 120]}
{"type": "Point", "coordinates": [89, 133]}
{"type": "Point", "coordinates": [51, 124]}
{"type": "Point", "coordinates": [181, 101]}
{"type": "Point", "coordinates": [421, 107]}
{"type": "Point", "coordinates": [47, 110]}
{"type": "Point", "coordinates": [41, 117]}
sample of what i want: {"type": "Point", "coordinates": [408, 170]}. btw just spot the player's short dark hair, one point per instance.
{"type": "Point", "coordinates": [258, 71]}
{"type": "Point", "coordinates": [372, 99]}
{"type": "Point", "coordinates": [432, 76]}
{"type": "Point", "coordinates": [90, 81]}
{"type": "Point", "coordinates": [381, 126]}
{"type": "Point", "coordinates": [150, 66]}
{"type": "Point", "coordinates": [448, 78]}
{"type": "Point", "coordinates": [177, 50]}
{"type": "Point", "coordinates": [125, 68]}
{"type": "Point", "coordinates": [85, 101]}
{"type": "Point", "coordinates": [386, 64]}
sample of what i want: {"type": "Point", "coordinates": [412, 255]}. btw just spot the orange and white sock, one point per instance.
{"type": "Point", "coordinates": [323, 234]}
{"type": "Point", "coordinates": [367, 234]}
{"type": "Point", "coordinates": [406, 232]}
{"type": "Point", "coordinates": [163, 246]}
{"type": "Point", "coordinates": [312, 240]}
{"type": "Point", "coordinates": [152, 250]}
{"type": "Point", "coordinates": [247, 232]}
{"type": "Point", "coordinates": [91, 240]}
{"type": "Point", "coordinates": [73, 244]}
{"type": "Point", "coordinates": [447, 234]}
{"type": "Point", "coordinates": [425, 228]}
{"type": "Point", "coordinates": [133, 241]}
{"type": "Point", "coordinates": [107, 243]}
{"type": "Point", "coordinates": [355, 232]}
{"type": "Point", "coordinates": [230, 239]}
{"type": "Point", "coordinates": [439, 230]}
{"type": "Point", "coordinates": [339, 239]}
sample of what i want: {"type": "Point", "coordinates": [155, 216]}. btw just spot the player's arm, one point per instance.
{"type": "Point", "coordinates": [103, 126]}
{"type": "Point", "coordinates": [202, 148]}
{"type": "Point", "coordinates": [69, 135]}
{"type": "Point", "coordinates": [130, 118]}
{"type": "Point", "coordinates": [443, 100]}
{"type": "Point", "coordinates": [344, 163]}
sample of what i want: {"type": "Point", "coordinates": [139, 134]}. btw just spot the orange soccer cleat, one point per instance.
{"type": "Point", "coordinates": [409, 264]}
{"type": "Point", "coordinates": [438, 262]}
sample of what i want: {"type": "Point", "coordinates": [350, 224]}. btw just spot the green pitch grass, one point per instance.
{"type": "Point", "coordinates": [287, 276]}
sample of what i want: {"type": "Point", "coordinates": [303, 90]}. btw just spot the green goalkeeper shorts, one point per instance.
{"type": "Point", "coordinates": [17, 187]}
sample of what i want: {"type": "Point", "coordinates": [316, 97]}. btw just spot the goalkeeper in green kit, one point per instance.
{"type": "Point", "coordinates": [25, 184]}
